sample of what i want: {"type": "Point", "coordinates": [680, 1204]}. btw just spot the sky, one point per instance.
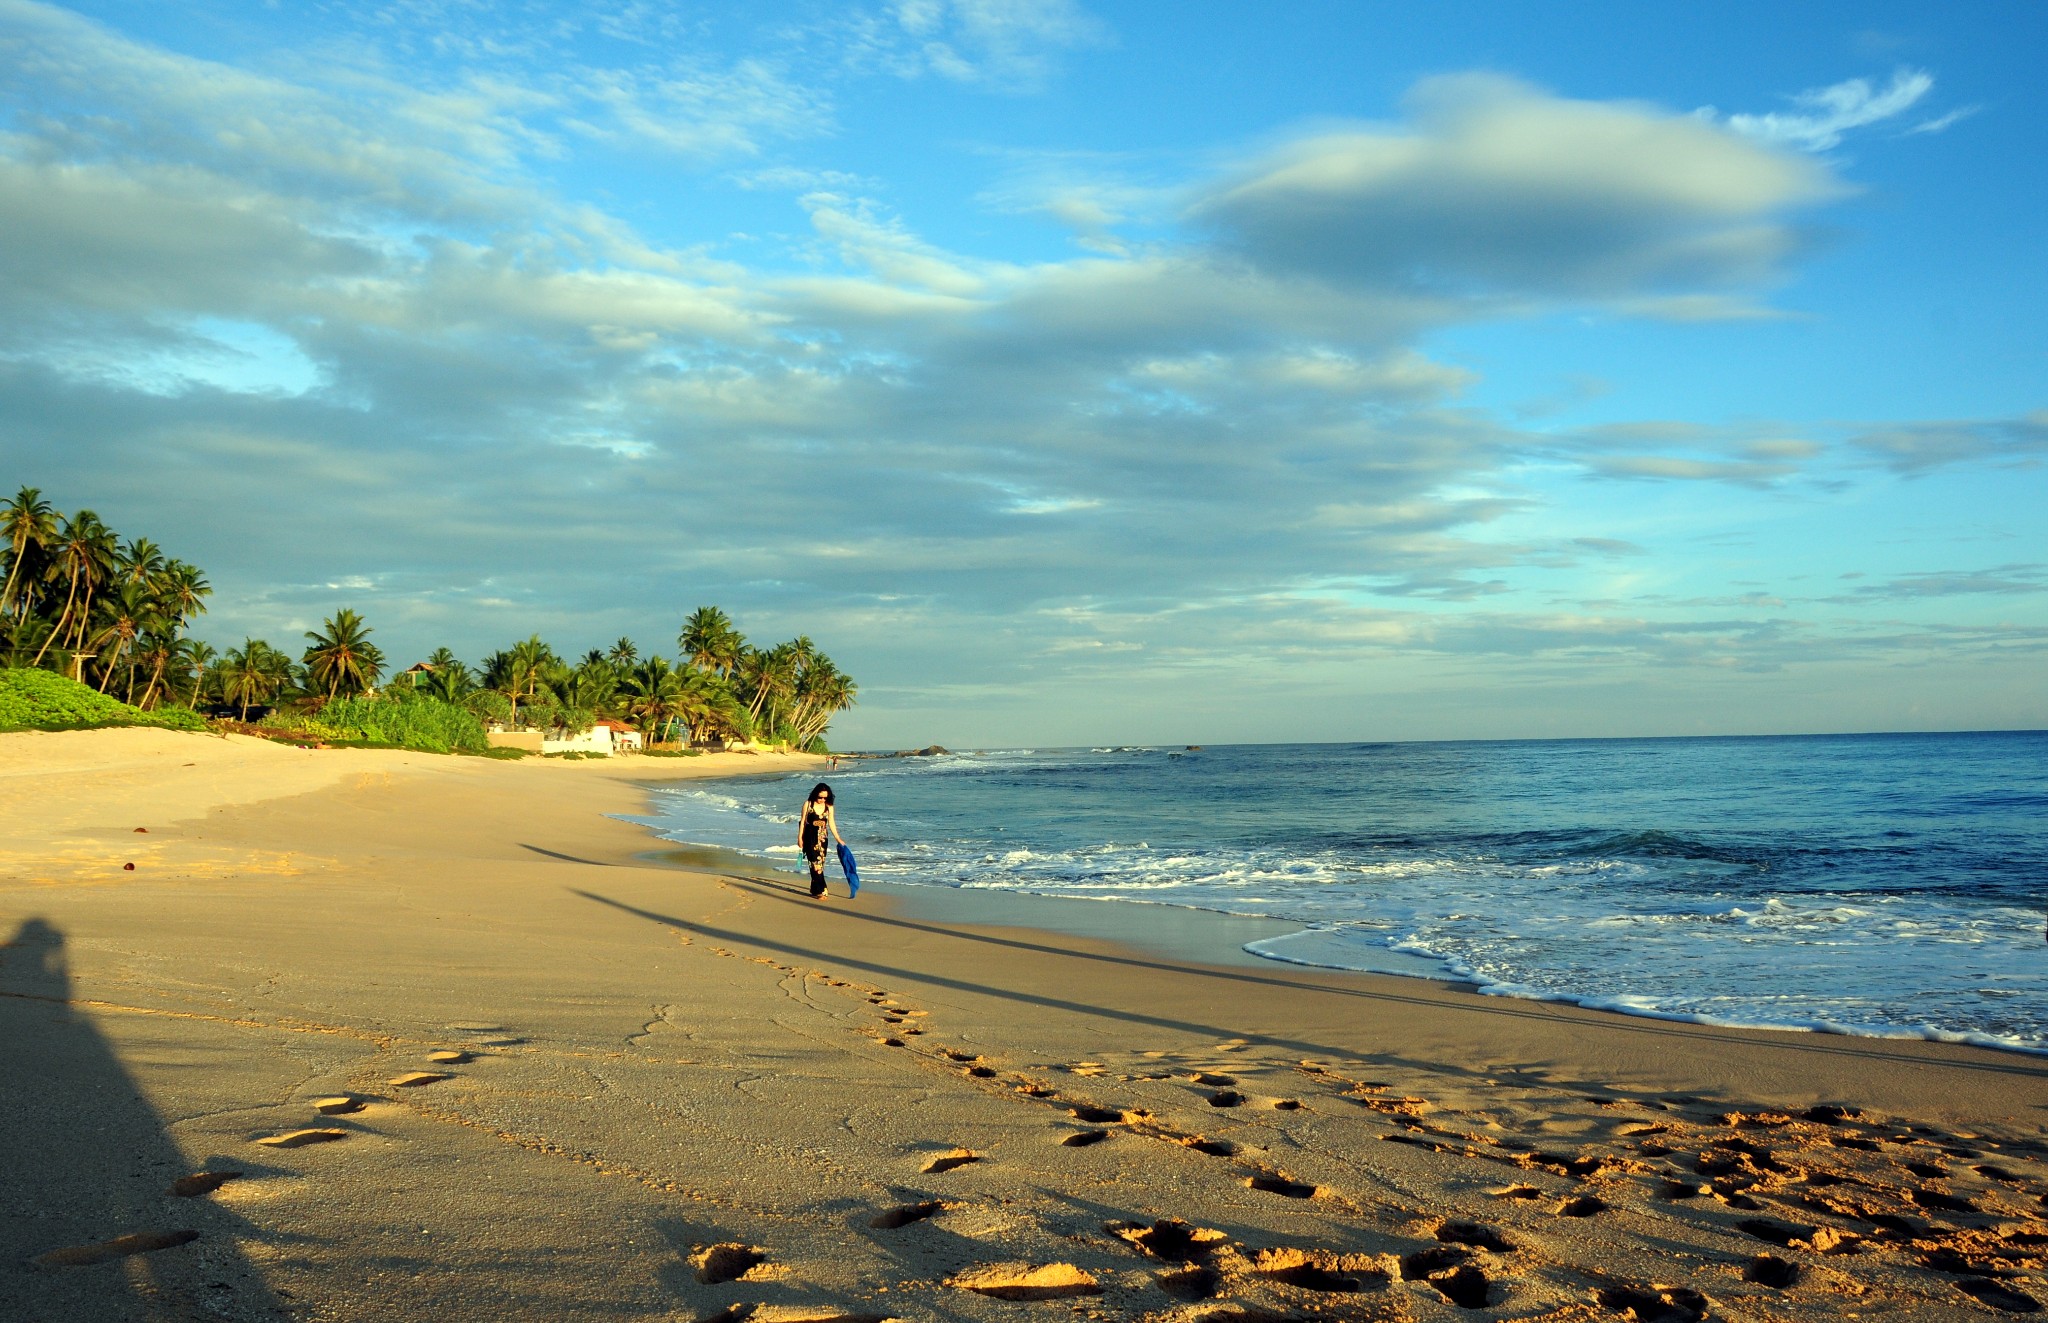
{"type": "Point", "coordinates": [1073, 373]}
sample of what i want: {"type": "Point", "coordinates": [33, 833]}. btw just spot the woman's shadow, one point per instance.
{"type": "Point", "coordinates": [90, 1227]}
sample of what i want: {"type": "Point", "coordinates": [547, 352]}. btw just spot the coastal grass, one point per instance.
{"type": "Point", "coordinates": [44, 700]}
{"type": "Point", "coordinates": [425, 724]}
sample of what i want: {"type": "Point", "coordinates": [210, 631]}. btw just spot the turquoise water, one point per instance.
{"type": "Point", "coordinates": [1887, 885]}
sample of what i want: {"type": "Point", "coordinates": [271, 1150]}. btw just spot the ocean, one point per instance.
{"type": "Point", "coordinates": [1881, 885]}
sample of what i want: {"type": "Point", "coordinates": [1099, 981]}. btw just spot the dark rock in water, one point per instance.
{"type": "Point", "coordinates": [1194, 748]}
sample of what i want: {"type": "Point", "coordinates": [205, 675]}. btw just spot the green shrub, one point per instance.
{"type": "Point", "coordinates": [506, 752]}
{"type": "Point", "coordinates": [671, 753]}
{"type": "Point", "coordinates": [44, 700]}
{"type": "Point", "coordinates": [418, 722]}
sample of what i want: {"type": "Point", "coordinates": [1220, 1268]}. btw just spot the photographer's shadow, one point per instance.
{"type": "Point", "coordinates": [90, 1225]}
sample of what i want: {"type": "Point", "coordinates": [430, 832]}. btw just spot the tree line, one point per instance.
{"type": "Point", "coordinates": [113, 614]}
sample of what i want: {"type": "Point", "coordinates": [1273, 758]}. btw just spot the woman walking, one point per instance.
{"type": "Point", "coordinates": [814, 833]}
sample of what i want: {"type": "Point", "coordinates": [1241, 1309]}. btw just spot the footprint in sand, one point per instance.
{"type": "Point", "coordinates": [448, 1057]}
{"type": "Point", "coordinates": [1084, 1138]}
{"type": "Point", "coordinates": [1285, 1188]}
{"type": "Point", "coordinates": [904, 1214]}
{"type": "Point", "coordinates": [301, 1138]}
{"type": "Point", "coordinates": [1449, 1270]}
{"type": "Point", "coordinates": [1226, 1098]}
{"type": "Point", "coordinates": [1320, 1270]}
{"type": "Point", "coordinates": [1656, 1304]}
{"type": "Point", "coordinates": [415, 1079]}
{"type": "Point", "coordinates": [1099, 1115]}
{"type": "Point", "coordinates": [1770, 1270]}
{"type": "Point", "coordinates": [341, 1104]}
{"type": "Point", "coordinates": [1998, 1295]}
{"type": "Point", "coordinates": [1023, 1281]}
{"type": "Point", "coordinates": [727, 1262]}
{"type": "Point", "coordinates": [750, 1313]}
{"type": "Point", "coordinates": [1170, 1239]}
{"type": "Point", "coordinates": [1476, 1234]}
{"type": "Point", "coordinates": [950, 1160]}
{"type": "Point", "coordinates": [202, 1182]}
{"type": "Point", "coordinates": [120, 1247]}
{"type": "Point", "coordinates": [1215, 1148]}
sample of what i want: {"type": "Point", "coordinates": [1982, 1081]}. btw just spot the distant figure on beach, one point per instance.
{"type": "Point", "coordinates": [817, 829]}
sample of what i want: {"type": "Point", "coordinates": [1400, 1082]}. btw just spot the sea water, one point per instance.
{"type": "Point", "coordinates": [1886, 885]}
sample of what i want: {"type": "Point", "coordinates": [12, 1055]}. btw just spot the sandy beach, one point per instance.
{"type": "Point", "coordinates": [370, 1034]}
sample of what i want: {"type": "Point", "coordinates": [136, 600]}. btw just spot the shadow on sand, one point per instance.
{"type": "Point", "coordinates": [89, 1226]}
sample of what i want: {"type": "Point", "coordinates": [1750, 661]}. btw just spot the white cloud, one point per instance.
{"type": "Point", "coordinates": [1823, 115]}
{"type": "Point", "coordinates": [1496, 188]}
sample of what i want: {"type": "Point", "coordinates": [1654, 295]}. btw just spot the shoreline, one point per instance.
{"type": "Point", "coordinates": [577, 1083]}
{"type": "Point", "coordinates": [1219, 937]}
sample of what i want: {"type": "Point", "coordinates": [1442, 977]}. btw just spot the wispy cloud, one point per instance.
{"type": "Point", "coordinates": [1915, 448]}
{"type": "Point", "coordinates": [1822, 116]}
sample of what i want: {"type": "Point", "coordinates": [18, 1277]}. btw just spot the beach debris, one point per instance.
{"type": "Point", "coordinates": [143, 830]}
{"type": "Point", "coordinates": [127, 868]}
{"type": "Point", "coordinates": [301, 1138]}
{"type": "Point", "coordinates": [202, 1182]}
{"type": "Point", "coordinates": [341, 1104]}
{"type": "Point", "coordinates": [951, 1159]}
{"type": "Point", "coordinates": [414, 1079]}
{"type": "Point", "coordinates": [120, 1247]}
{"type": "Point", "coordinates": [1023, 1281]}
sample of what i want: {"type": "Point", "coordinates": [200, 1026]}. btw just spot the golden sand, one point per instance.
{"type": "Point", "coordinates": [663, 1094]}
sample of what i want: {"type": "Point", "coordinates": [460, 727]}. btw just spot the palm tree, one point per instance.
{"type": "Point", "coordinates": [29, 523]}
{"type": "Point", "coordinates": [449, 680]}
{"type": "Point", "coordinates": [195, 659]}
{"type": "Point", "coordinates": [623, 654]}
{"type": "Point", "coordinates": [709, 639]}
{"type": "Point", "coordinates": [653, 693]}
{"type": "Point", "coordinates": [183, 589]}
{"type": "Point", "coordinates": [139, 562]}
{"type": "Point", "coordinates": [252, 674]}
{"type": "Point", "coordinates": [126, 614]}
{"type": "Point", "coordinates": [822, 691]}
{"type": "Point", "coordinates": [82, 554]}
{"type": "Point", "coordinates": [341, 659]}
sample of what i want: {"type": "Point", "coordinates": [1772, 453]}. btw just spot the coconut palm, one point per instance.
{"type": "Point", "coordinates": [29, 523]}
{"type": "Point", "coordinates": [126, 615]}
{"type": "Point", "coordinates": [709, 639]}
{"type": "Point", "coordinates": [623, 653]}
{"type": "Point", "coordinates": [82, 554]}
{"type": "Point", "coordinates": [651, 692]}
{"type": "Point", "coordinates": [340, 658]}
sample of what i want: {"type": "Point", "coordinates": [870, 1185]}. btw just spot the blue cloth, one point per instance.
{"type": "Point", "coordinates": [852, 874]}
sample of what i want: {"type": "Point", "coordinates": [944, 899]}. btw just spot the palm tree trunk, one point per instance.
{"type": "Point", "coordinates": [59, 625]}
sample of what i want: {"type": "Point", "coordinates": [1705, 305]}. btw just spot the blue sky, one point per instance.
{"type": "Point", "coordinates": [1073, 373]}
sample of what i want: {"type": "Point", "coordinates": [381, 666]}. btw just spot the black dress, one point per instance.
{"type": "Point", "coordinates": [816, 832]}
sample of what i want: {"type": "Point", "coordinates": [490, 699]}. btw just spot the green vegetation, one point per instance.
{"type": "Point", "coordinates": [78, 602]}
{"type": "Point", "coordinates": [42, 700]}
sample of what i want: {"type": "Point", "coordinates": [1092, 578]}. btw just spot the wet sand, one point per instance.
{"type": "Point", "coordinates": [371, 1034]}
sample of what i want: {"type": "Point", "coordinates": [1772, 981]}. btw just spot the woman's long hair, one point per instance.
{"type": "Point", "coordinates": [813, 796]}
